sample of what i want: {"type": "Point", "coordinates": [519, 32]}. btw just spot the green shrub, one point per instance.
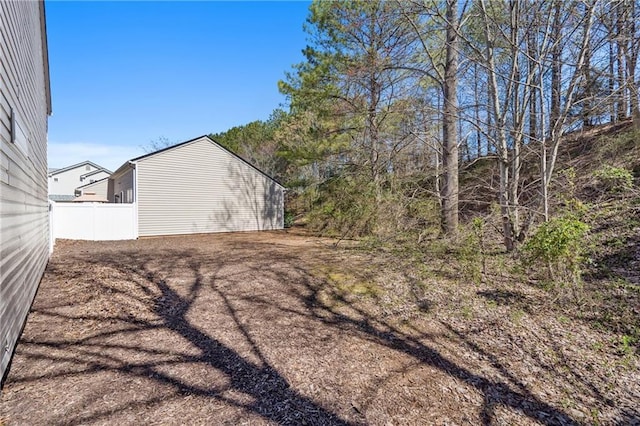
{"type": "Point", "coordinates": [558, 245]}
{"type": "Point", "coordinates": [345, 207]}
{"type": "Point", "coordinates": [468, 248]}
{"type": "Point", "coordinates": [614, 179]}
{"type": "Point", "coordinates": [289, 218]}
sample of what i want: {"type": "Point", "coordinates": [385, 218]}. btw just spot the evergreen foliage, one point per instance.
{"type": "Point", "coordinates": [392, 95]}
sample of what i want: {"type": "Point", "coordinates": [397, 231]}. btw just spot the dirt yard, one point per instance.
{"type": "Point", "coordinates": [275, 328]}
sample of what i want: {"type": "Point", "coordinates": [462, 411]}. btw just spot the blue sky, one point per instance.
{"type": "Point", "coordinates": [124, 74]}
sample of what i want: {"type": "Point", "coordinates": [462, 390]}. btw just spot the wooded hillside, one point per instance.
{"type": "Point", "coordinates": [398, 100]}
{"type": "Point", "coordinates": [506, 132]}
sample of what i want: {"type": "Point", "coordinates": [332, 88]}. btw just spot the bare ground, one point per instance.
{"type": "Point", "coordinates": [276, 328]}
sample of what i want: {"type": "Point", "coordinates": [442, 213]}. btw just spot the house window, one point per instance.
{"type": "Point", "coordinates": [18, 137]}
{"type": "Point", "coordinates": [87, 167]}
{"type": "Point", "coordinates": [55, 179]}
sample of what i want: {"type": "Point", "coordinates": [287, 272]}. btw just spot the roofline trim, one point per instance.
{"type": "Point", "coordinates": [208, 138]}
{"type": "Point", "coordinates": [45, 56]}
{"type": "Point", "coordinates": [73, 166]}
{"type": "Point", "coordinates": [94, 182]}
{"type": "Point", "coordinates": [129, 164]}
{"type": "Point", "coordinates": [93, 172]}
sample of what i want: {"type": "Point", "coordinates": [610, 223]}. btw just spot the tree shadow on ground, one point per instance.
{"type": "Point", "coordinates": [271, 396]}
{"type": "Point", "coordinates": [165, 304]}
{"type": "Point", "coordinates": [385, 334]}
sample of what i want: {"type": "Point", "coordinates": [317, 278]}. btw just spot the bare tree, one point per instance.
{"type": "Point", "coordinates": [511, 71]}
{"type": "Point", "coordinates": [450, 187]}
{"type": "Point", "coordinates": [629, 43]}
{"type": "Point", "coordinates": [442, 67]}
{"type": "Point", "coordinates": [554, 135]}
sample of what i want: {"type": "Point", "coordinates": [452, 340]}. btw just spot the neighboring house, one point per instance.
{"type": "Point", "coordinates": [25, 104]}
{"type": "Point", "coordinates": [63, 182]}
{"type": "Point", "coordinates": [90, 197]}
{"type": "Point", "coordinates": [197, 187]}
{"type": "Point", "coordinates": [98, 188]}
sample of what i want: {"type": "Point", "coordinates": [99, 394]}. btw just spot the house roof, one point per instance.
{"type": "Point", "coordinates": [45, 56]}
{"type": "Point", "coordinates": [90, 198]}
{"type": "Point", "coordinates": [92, 183]}
{"type": "Point", "coordinates": [151, 154]}
{"type": "Point", "coordinates": [61, 197]}
{"type": "Point", "coordinates": [95, 172]}
{"type": "Point", "coordinates": [84, 163]}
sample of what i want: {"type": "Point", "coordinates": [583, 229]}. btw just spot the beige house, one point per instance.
{"type": "Point", "coordinates": [197, 187]}
{"type": "Point", "coordinates": [98, 188]}
{"type": "Point", "coordinates": [90, 197]}
{"type": "Point", "coordinates": [64, 182]}
{"type": "Point", "coordinates": [25, 104]}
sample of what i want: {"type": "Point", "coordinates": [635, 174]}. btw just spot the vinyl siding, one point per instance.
{"type": "Point", "coordinates": [24, 216]}
{"type": "Point", "coordinates": [66, 182]}
{"type": "Point", "coordinates": [200, 187]}
{"type": "Point", "coordinates": [100, 188]}
{"type": "Point", "coordinates": [121, 182]}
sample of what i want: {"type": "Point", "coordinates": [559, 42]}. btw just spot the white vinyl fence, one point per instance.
{"type": "Point", "coordinates": [94, 221]}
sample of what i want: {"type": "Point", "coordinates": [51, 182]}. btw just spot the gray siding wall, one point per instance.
{"type": "Point", "coordinates": [24, 216]}
{"type": "Point", "coordinates": [121, 184]}
{"type": "Point", "coordinates": [200, 187]}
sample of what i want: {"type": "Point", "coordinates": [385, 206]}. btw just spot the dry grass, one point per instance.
{"type": "Point", "coordinates": [275, 328]}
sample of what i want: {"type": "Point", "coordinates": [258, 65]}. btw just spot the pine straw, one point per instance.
{"type": "Point", "coordinates": [275, 328]}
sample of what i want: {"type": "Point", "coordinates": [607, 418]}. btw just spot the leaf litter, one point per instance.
{"type": "Point", "coordinates": [285, 328]}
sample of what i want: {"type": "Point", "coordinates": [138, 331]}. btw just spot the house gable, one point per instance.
{"type": "Point", "coordinates": [85, 166]}
{"type": "Point", "coordinates": [99, 187]}
{"type": "Point", "coordinates": [64, 181]}
{"type": "Point", "coordinates": [199, 186]}
{"type": "Point", "coordinates": [200, 139]}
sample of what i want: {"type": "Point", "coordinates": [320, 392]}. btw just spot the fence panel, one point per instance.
{"type": "Point", "coordinates": [94, 221]}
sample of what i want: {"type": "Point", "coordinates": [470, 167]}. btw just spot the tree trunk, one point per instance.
{"type": "Point", "coordinates": [552, 145]}
{"type": "Point", "coordinates": [623, 108]}
{"type": "Point", "coordinates": [612, 85]}
{"type": "Point", "coordinates": [556, 63]}
{"type": "Point", "coordinates": [518, 125]}
{"type": "Point", "coordinates": [533, 100]}
{"type": "Point", "coordinates": [543, 178]}
{"type": "Point", "coordinates": [631, 59]}
{"type": "Point", "coordinates": [587, 104]}
{"type": "Point", "coordinates": [372, 131]}
{"type": "Point", "coordinates": [499, 131]}
{"type": "Point", "coordinates": [477, 110]}
{"type": "Point", "coordinates": [449, 123]}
